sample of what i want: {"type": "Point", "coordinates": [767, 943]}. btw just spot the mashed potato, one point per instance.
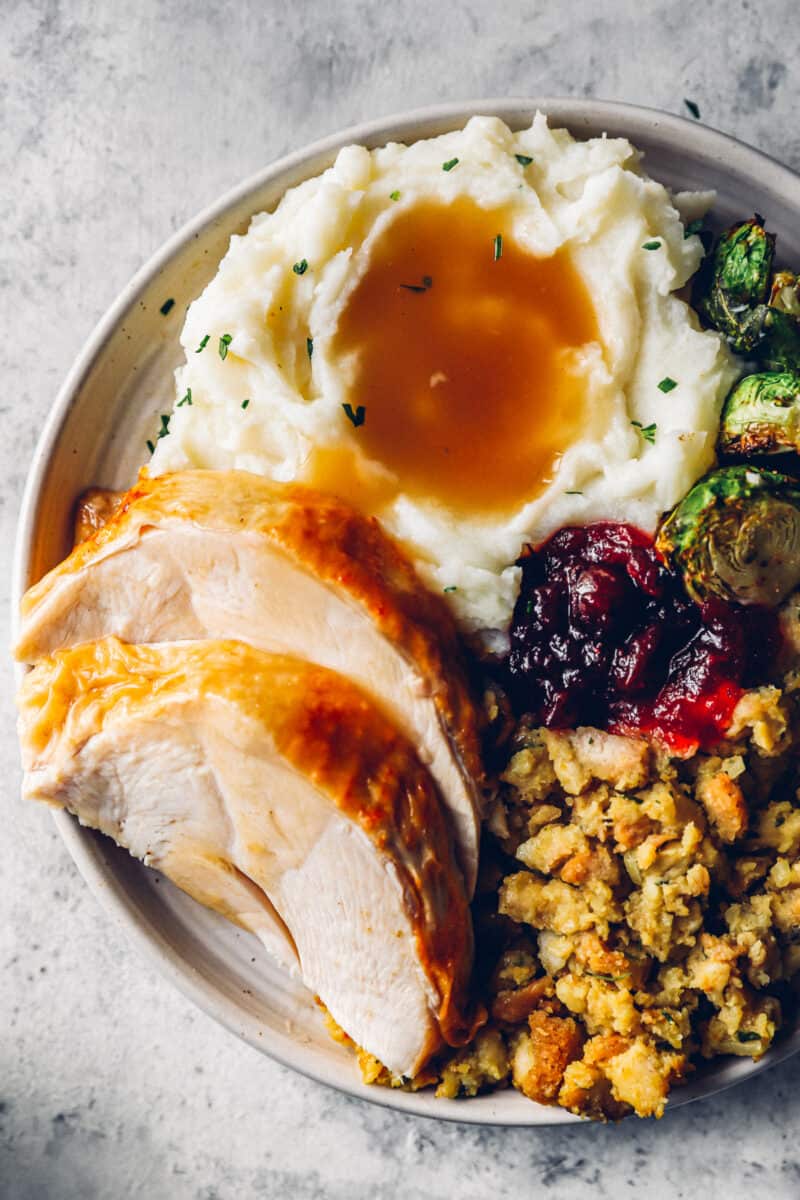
{"type": "Point", "coordinates": [651, 385]}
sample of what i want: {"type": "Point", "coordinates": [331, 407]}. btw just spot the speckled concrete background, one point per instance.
{"type": "Point", "coordinates": [117, 122]}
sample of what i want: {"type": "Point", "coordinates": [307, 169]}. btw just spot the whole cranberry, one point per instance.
{"type": "Point", "coordinates": [559, 710]}
{"type": "Point", "coordinates": [531, 656]}
{"type": "Point", "coordinates": [559, 647]}
{"type": "Point", "coordinates": [594, 656]}
{"type": "Point", "coordinates": [568, 542]}
{"type": "Point", "coordinates": [632, 668]}
{"type": "Point", "coordinates": [645, 572]}
{"type": "Point", "coordinates": [544, 608]}
{"type": "Point", "coordinates": [597, 598]}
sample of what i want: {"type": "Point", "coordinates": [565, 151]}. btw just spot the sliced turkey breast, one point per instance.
{"type": "Point", "coordinates": [228, 554]}
{"type": "Point", "coordinates": [275, 792]}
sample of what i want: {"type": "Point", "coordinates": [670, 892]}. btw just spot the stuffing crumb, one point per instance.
{"type": "Point", "coordinates": [542, 1053]}
{"type": "Point", "coordinates": [581, 755]}
{"type": "Point", "coordinates": [484, 1063]}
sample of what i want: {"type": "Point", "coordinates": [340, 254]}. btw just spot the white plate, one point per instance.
{"type": "Point", "coordinates": [96, 434]}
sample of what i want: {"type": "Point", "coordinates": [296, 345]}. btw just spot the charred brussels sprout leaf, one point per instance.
{"type": "Point", "coordinates": [779, 347]}
{"type": "Point", "coordinates": [785, 293]}
{"type": "Point", "coordinates": [736, 535]}
{"type": "Point", "coordinates": [734, 281]}
{"type": "Point", "coordinates": [762, 415]}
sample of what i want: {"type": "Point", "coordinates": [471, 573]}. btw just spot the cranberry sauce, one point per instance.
{"type": "Point", "coordinates": [603, 634]}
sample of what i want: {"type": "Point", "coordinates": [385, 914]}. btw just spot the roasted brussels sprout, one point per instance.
{"type": "Point", "coordinates": [736, 294]}
{"type": "Point", "coordinates": [762, 415]}
{"type": "Point", "coordinates": [735, 281]}
{"type": "Point", "coordinates": [736, 535]}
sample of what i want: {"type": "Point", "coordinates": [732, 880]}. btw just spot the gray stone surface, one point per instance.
{"type": "Point", "coordinates": [117, 122]}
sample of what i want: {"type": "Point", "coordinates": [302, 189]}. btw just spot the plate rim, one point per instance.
{"type": "Point", "coordinates": [673, 131]}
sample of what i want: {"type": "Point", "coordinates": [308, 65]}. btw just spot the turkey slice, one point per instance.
{"type": "Point", "coordinates": [229, 554]}
{"type": "Point", "coordinates": [273, 791]}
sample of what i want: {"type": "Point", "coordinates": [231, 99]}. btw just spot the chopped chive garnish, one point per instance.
{"type": "Point", "coordinates": [394, 195]}
{"type": "Point", "coordinates": [693, 109]}
{"type": "Point", "coordinates": [648, 432]}
{"type": "Point", "coordinates": [301, 267]}
{"type": "Point", "coordinates": [203, 343]}
{"type": "Point", "coordinates": [187, 399]}
{"type": "Point", "coordinates": [524, 160]}
{"type": "Point", "coordinates": [451, 588]}
{"type": "Point", "coordinates": [748, 1035]}
{"type": "Point", "coordinates": [309, 346]}
{"type": "Point", "coordinates": [166, 306]}
{"type": "Point", "coordinates": [163, 431]}
{"type": "Point", "coordinates": [224, 342]}
{"type": "Point", "coordinates": [356, 417]}
{"type": "Point", "coordinates": [498, 246]}
{"type": "Point", "coordinates": [573, 493]}
{"type": "Point", "coordinates": [451, 162]}
{"type": "Point", "coordinates": [651, 246]}
{"type": "Point", "coordinates": [667, 384]}
{"type": "Point", "coordinates": [245, 403]}
{"type": "Point", "coordinates": [693, 227]}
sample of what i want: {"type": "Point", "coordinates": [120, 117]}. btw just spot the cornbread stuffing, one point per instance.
{"type": "Point", "coordinates": [636, 914]}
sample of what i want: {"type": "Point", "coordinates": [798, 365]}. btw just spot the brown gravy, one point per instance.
{"type": "Point", "coordinates": [459, 339]}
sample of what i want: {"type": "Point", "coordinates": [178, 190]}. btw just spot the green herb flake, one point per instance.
{"type": "Point", "coordinates": [748, 1035]}
{"type": "Point", "coordinates": [498, 246]}
{"type": "Point", "coordinates": [204, 343]}
{"type": "Point", "coordinates": [358, 417]}
{"type": "Point", "coordinates": [451, 588]}
{"type": "Point", "coordinates": [652, 245]}
{"type": "Point", "coordinates": [163, 431]}
{"type": "Point", "coordinates": [693, 108]}
{"type": "Point", "coordinates": [573, 493]}
{"type": "Point", "coordinates": [648, 432]}
{"type": "Point", "coordinates": [524, 160]}
{"type": "Point", "coordinates": [309, 346]}
{"type": "Point", "coordinates": [427, 282]}
{"type": "Point", "coordinates": [451, 162]}
{"type": "Point", "coordinates": [187, 399]}
{"type": "Point", "coordinates": [394, 195]}
{"type": "Point", "coordinates": [693, 227]}
{"type": "Point", "coordinates": [167, 306]}
{"type": "Point", "coordinates": [245, 403]}
{"type": "Point", "coordinates": [667, 1016]}
{"type": "Point", "coordinates": [224, 342]}
{"type": "Point", "coordinates": [528, 608]}
{"type": "Point", "coordinates": [301, 267]}
{"type": "Point", "coordinates": [667, 385]}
